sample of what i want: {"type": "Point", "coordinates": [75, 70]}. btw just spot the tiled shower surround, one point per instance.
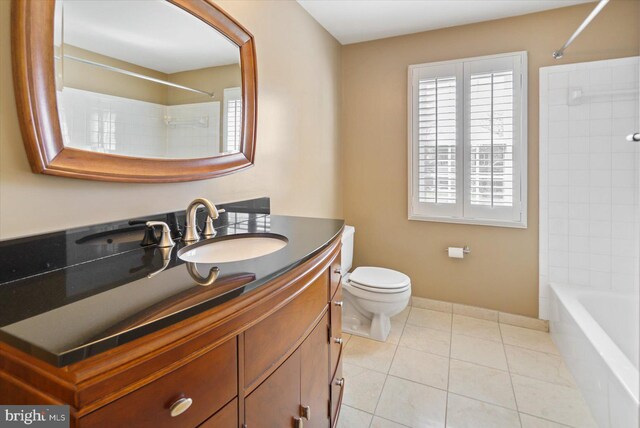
{"type": "Point", "coordinates": [123, 126]}
{"type": "Point", "coordinates": [589, 176]}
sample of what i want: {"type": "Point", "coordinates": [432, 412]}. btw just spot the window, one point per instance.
{"type": "Point", "coordinates": [232, 122]}
{"type": "Point", "coordinates": [467, 142]}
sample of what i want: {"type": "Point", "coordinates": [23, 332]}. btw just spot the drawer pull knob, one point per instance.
{"type": "Point", "coordinates": [338, 303]}
{"type": "Point", "coordinates": [338, 271]}
{"type": "Point", "coordinates": [180, 406]}
{"type": "Point", "coordinates": [306, 412]}
{"type": "Point", "coordinates": [340, 381]}
{"type": "Point", "coordinates": [338, 340]}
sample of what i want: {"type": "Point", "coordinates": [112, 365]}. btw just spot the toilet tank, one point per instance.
{"type": "Point", "coordinates": [346, 256]}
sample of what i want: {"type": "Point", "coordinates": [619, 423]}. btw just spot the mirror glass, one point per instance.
{"type": "Point", "coordinates": [145, 78]}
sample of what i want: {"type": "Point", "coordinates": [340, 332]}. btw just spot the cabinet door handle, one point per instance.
{"type": "Point", "coordinates": [338, 303]}
{"type": "Point", "coordinates": [338, 271]}
{"type": "Point", "coordinates": [340, 382]}
{"type": "Point", "coordinates": [338, 340]}
{"type": "Point", "coordinates": [180, 406]}
{"type": "Point", "coordinates": [298, 423]}
{"type": "Point", "coordinates": [306, 412]}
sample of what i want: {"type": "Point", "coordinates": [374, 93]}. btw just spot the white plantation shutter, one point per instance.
{"type": "Point", "coordinates": [437, 136]}
{"type": "Point", "coordinates": [468, 145]}
{"type": "Point", "coordinates": [437, 124]}
{"type": "Point", "coordinates": [493, 124]}
{"type": "Point", "coordinates": [232, 129]}
{"type": "Point", "coordinates": [491, 139]}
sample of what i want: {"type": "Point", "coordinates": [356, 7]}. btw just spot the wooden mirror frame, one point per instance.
{"type": "Point", "coordinates": [32, 27]}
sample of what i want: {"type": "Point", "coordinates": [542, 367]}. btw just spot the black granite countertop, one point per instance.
{"type": "Point", "coordinates": [70, 295]}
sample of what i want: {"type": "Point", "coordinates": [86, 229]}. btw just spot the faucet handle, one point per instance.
{"type": "Point", "coordinates": [150, 237]}
{"type": "Point", "coordinates": [209, 231]}
{"type": "Point", "coordinates": [165, 239]}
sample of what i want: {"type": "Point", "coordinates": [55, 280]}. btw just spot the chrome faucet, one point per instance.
{"type": "Point", "coordinates": [190, 231]}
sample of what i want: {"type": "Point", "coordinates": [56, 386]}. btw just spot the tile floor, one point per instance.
{"type": "Point", "coordinates": [440, 369]}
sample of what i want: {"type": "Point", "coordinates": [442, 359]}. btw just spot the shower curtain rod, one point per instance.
{"type": "Point", "coordinates": [560, 52]}
{"type": "Point", "coordinates": [138, 75]}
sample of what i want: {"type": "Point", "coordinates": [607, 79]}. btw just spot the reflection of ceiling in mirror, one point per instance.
{"type": "Point", "coordinates": [153, 34]}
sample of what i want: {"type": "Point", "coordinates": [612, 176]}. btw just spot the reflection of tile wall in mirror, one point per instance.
{"type": "Point", "coordinates": [115, 95]}
{"type": "Point", "coordinates": [193, 130]}
{"type": "Point", "coordinates": [109, 124]}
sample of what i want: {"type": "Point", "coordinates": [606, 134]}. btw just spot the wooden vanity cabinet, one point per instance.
{"type": "Point", "coordinates": [314, 372]}
{"type": "Point", "coordinates": [276, 402]}
{"type": "Point", "coordinates": [297, 391]}
{"type": "Point", "coordinates": [226, 417]}
{"type": "Point", "coordinates": [150, 405]}
{"type": "Point", "coordinates": [336, 389]}
{"type": "Point", "coordinates": [265, 359]}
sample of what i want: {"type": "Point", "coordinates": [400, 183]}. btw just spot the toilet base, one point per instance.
{"type": "Point", "coordinates": [377, 328]}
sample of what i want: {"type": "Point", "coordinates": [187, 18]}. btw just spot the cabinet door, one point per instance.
{"type": "Point", "coordinates": [335, 309]}
{"type": "Point", "coordinates": [335, 276]}
{"type": "Point", "coordinates": [276, 402]}
{"type": "Point", "coordinates": [314, 376]}
{"type": "Point", "coordinates": [337, 393]}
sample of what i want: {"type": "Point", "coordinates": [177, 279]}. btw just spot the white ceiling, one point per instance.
{"type": "Point", "coordinates": [353, 21]}
{"type": "Point", "coordinates": [153, 34]}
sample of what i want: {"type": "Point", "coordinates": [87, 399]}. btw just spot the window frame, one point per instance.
{"type": "Point", "coordinates": [230, 94]}
{"type": "Point", "coordinates": [460, 213]}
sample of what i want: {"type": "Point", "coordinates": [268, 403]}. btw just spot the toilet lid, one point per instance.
{"type": "Point", "coordinates": [381, 279]}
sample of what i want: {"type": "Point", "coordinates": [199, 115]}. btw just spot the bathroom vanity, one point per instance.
{"type": "Point", "coordinates": [129, 336]}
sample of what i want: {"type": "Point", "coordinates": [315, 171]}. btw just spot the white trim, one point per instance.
{"type": "Point", "coordinates": [234, 93]}
{"type": "Point", "coordinates": [418, 211]}
{"type": "Point", "coordinates": [445, 210]}
{"type": "Point", "coordinates": [472, 221]}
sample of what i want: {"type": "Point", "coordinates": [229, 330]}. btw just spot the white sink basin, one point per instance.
{"type": "Point", "coordinates": [233, 249]}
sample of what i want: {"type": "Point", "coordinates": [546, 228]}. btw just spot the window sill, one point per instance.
{"type": "Point", "coordinates": [471, 221]}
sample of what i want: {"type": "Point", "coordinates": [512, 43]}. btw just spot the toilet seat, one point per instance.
{"type": "Point", "coordinates": [379, 280]}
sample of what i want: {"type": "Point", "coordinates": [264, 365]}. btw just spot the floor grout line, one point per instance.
{"type": "Point", "coordinates": [387, 374]}
{"type": "Point", "coordinates": [513, 390]}
{"type": "Point", "coordinates": [403, 325]}
{"type": "Point", "coordinates": [446, 401]}
{"type": "Point", "coordinates": [545, 419]}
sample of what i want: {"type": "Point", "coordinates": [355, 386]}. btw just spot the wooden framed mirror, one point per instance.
{"type": "Point", "coordinates": [135, 95]}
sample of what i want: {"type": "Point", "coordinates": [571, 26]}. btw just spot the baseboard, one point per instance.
{"type": "Point", "coordinates": [480, 313]}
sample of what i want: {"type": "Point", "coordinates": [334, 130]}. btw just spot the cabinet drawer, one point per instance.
{"type": "Point", "coordinates": [336, 329]}
{"type": "Point", "coordinates": [335, 276]}
{"type": "Point", "coordinates": [227, 417]}
{"type": "Point", "coordinates": [337, 393]}
{"type": "Point", "coordinates": [268, 341]}
{"type": "Point", "coordinates": [210, 381]}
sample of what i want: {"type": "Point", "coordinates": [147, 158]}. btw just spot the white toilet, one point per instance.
{"type": "Point", "coordinates": [372, 295]}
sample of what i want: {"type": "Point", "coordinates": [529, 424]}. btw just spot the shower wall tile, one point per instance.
{"type": "Point", "coordinates": [589, 183]}
{"type": "Point", "coordinates": [110, 124]}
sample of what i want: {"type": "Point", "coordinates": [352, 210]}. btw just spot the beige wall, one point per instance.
{"type": "Point", "coordinates": [211, 79]}
{"type": "Point", "coordinates": [91, 78]}
{"type": "Point", "coordinates": [502, 271]}
{"type": "Point", "coordinates": [297, 159]}
{"type": "Point", "coordinates": [299, 156]}
{"type": "Point", "coordinates": [95, 79]}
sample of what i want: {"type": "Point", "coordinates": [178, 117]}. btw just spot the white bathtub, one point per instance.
{"type": "Point", "coordinates": [598, 334]}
